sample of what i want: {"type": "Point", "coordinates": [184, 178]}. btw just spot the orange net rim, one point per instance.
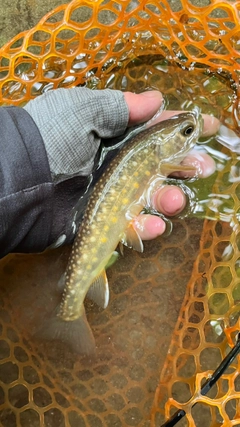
{"type": "Point", "coordinates": [172, 34]}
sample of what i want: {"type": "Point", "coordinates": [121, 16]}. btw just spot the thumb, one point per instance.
{"type": "Point", "coordinates": [142, 106]}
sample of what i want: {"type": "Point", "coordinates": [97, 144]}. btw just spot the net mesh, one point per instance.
{"type": "Point", "coordinates": [208, 325]}
{"type": "Point", "coordinates": [82, 43]}
{"type": "Point", "coordinates": [85, 39]}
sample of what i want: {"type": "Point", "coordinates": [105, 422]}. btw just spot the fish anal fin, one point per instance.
{"type": "Point", "coordinates": [131, 239]}
{"type": "Point", "coordinates": [99, 290]}
{"type": "Point", "coordinates": [76, 334]}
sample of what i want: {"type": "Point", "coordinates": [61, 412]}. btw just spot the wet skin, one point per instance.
{"type": "Point", "coordinates": [170, 200]}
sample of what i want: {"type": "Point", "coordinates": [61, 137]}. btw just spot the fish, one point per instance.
{"type": "Point", "coordinates": [118, 197]}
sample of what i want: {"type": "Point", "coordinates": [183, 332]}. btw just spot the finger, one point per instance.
{"type": "Point", "coordinates": [142, 106]}
{"type": "Point", "coordinates": [149, 226]}
{"type": "Point", "coordinates": [211, 124]}
{"type": "Point", "coordinates": [170, 200]}
{"type": "Point", "coordinates": [203, 164]}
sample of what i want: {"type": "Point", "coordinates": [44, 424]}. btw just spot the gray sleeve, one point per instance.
{"type": "Point", "coordinates": [48, 151]}
{"type": "Point", "coordinates": [72, 123]}
{"type": "Point", "coordinates": [26, 188]}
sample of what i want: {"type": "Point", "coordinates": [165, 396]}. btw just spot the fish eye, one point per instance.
{"type": "Point", "coordinates": [188, 130]}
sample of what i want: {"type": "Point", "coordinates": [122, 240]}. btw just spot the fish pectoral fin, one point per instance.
{"type": "Point", "coordinates": [120, 245]}
{"type": "Point", "coordinates": [112, 259]}
{"type": "Point", "coordinates": [99, 290]}
{"type": "Point", "coordinates": [168, 168]}
{"type": "Point", "coordinates": [132, 240]}
{"type": "Point", "coordinates": [76, 334]}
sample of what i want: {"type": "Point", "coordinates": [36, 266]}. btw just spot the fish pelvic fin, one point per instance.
{"type": "Point", "coordinates": [169, 168]}
{"type": "Point", "coordinates": [76, 334]}
{"type": "Point", "coordinates": [99, 290]}
{"type": "Point", "coordinates": [131, 239]}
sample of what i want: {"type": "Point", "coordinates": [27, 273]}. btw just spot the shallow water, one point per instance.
{"type": "Point", "coordinates": [132, 335]}
{"type": "Point", "coordinates": [46, 384]}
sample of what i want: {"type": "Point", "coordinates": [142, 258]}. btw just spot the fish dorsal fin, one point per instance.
{"type": "Point", "coordinates": [131, 239]}
{"type": "Point", "coordinates": [99, 290]}
{"type": "Point", "coordinates": [168, 168]}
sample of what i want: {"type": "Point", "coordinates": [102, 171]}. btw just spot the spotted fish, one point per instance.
{"type": "Point", "coordinates": [120, 194]}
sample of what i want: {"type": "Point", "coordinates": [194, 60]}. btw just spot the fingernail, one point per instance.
{"type": "Point", "coordinates": [152, 94]}
{"type": "Point", "coordinates": [172, 201]}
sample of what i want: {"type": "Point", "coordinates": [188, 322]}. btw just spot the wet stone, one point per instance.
{"type": "Point", "coordinates": [171, 258]}
{"type": "Point", "coordinates": [145, 269]}
{"type": "Point", "coordinates": [152, 362]}
{"type": "Point", "coordinates": [113, 420]}
{"type": "Point", "coordinates": [116, 401]}
{"type": "Point", "coordinates": [138, 300]}
{"type": "Point", "coordinates": [66, 377]}
{"type": "Point", "coordinates": [85, 375]}
{"type": "Point", "coordinates": [181, 392]}
{"type": "Point", "coordinates": [12, 335]}
{"type": "Point", "coordinates": [122, 283]}
{"type": "Point", "coordinates": [4, 349]}
{"type": "Point", "coordinates": [119, 305]}
{"type": "Point", "coordinates": [4, 316]}
{"type": "Point", "coordinates": [192, 245]}
{"type": "Point", "coordinates": [142, 287]}
{"type": "Point", "coordinates": [136, 372]}
{"type": "Point", "coordinates": [80, 391]}
{"type": "Point", "coordinates": [135, 394]}
{"type": "Point", "coordinates": [76, 420]}
{"type": "Point", "coordinates": [132, 417]}
{"type": "Point", "coordinates": [30, 375]}
{"type": "Point", "coordinates": [54, 417]}
{"type": "Point", "coordinates": [7, 418]}
{"type": "Point", "coordinates": [94, 421]}
{"type": "Point", "coordinates": [134, 317]}
{"type": "Point", "coordinates": [47, 381]}
{"type": "Point", "coordinates": [138, 353]}
{"type": "Point", "coordinates": [99, 386]}
{"type": "Point", "coordinates": [18, 396]}
{"type": "Point", "coordinates": [61, 400]}
{"type": "Point", "coordinates": [8, 372]}
{"type": "Point", "coordinates": [102, 369]}
{"type": "Point", "coordinates": [152, 384]}
{"type": "Point", "coordinates": [119, 381]}
{"type": "Point", "coordinates": [29, 418]}
{"type": "Point", "coordinates": [237, 383]}
{"type": "Point", "coordinates": [2, 396]}
{"type": "Point", "coordinates": [36, 361]}
{"type": "Point", "coordinates": [20, 354]}
{"type": "Point", "coordinates": [41, 397]}
{"type": "Point", "coordinates": [97, 405]}
{"type": "Point", "coordinates": [210, 358]}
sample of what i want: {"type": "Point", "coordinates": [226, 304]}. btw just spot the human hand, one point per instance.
{"type": "Point", "coordinates": [72, 123]}
{"type": "Point", "coordinates": [168, 199]}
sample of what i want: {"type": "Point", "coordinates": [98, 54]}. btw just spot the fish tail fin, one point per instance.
{"type": "Point", "coordinates": [76, 334]}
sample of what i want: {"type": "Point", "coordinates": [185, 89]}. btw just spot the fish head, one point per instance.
{"type": "Point", "coordinates": [178, 135]}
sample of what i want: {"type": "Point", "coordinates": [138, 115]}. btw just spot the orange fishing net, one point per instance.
{"type": "Point", "coordinates": [208, 325]}
{"type": "Point", "coordinates": [85, 42]}
{"type": "Point", "coordinates": [85, 39]}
